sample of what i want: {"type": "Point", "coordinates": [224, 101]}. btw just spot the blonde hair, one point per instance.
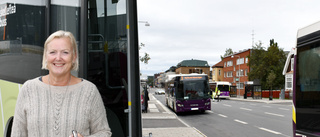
{"type": "Point", "coordinates": [62, 34]}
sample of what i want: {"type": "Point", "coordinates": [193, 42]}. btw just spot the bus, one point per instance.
{"type": "Point", "coordinates": [224, 88]}
{"type": "Point", "coordinates": [188, 92]}
{"type": "Point", "coordinates": [106, 33]}
{"type": "Point", "coordinates": [306, 82]}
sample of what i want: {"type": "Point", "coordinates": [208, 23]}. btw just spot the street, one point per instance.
{"type": "Point", "coordinates": [240, 118]}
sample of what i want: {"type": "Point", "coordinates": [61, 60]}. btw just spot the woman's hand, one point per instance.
{"type": "Point", "coordinates": [79, 135]}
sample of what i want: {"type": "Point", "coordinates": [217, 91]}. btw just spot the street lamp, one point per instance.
{"type": "Point", "coordinates": [146, 23]}
{"type": "Point", "coordinates": [238, 74]}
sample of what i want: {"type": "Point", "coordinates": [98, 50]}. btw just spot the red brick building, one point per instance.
{"type": "Point", "coordinates": [236, 69]}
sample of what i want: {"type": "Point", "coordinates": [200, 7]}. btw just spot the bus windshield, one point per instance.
{"type": "Point", "coordinates": [223, 87]}
{"type": "Point", "coordinates": [190, 90]}
{"type": "Point", "coordinates": [309, 68]}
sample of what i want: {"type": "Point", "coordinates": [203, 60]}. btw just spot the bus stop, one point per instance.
{"type": "Point", "coordinates": [252, 90]}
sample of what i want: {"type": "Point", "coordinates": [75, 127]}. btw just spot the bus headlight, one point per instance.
{"type": "Point", "coordinates": [180, 105]}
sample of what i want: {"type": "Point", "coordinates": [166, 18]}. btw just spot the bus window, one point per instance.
{"type": "Point", "coordinates": [107, 60]}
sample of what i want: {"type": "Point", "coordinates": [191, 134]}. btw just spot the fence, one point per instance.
{"type": "Point", "coordinates": [275, 94]}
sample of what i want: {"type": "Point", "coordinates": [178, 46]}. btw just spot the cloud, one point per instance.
{"type": "Point", "coordinates": [187, 29]}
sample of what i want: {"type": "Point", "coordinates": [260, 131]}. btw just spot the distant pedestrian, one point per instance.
{"type": "Point", "coordinates": [146, 99]}
{"type": "Point", "coordinates": [218, 94]}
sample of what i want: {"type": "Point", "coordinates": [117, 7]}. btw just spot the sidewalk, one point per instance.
{"type": "Point", "coordinates": [162, 122]}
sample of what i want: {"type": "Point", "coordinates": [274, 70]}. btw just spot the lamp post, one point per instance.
{"type": "Point", "coordinates": [146, 23]}
{"type": "Point", "coordinates": [239, 73]}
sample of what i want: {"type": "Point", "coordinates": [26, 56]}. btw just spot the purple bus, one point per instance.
{"type": "Point", "coordinates": [224, 88]}
{"type": "Point", "coordinates": [306, 82]}
{"type": "Point", "coordinates": [188, 92]}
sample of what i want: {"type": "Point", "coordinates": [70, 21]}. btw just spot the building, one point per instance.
{"type": "Point", "coordinates": [217, 72]}
{"type": "Point", "coordinates": [193, 66]}
{"type": "Point", "coordinates": [236, 69]}
{"type": "Point", "coordinates": [288, 70]}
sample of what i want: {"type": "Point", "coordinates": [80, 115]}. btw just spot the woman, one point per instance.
{"type": "Point", "coordinates": [57, 103]}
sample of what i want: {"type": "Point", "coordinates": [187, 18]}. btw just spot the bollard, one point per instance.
{"type": "Point", "coordinates": [150, 134]}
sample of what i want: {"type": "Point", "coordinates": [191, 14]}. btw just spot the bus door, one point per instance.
{"type": "Point", "coordinates": [107, 59]}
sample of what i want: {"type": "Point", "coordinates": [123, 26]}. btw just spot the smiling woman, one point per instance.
{"type": "Point", "coordinates": [60, 100]}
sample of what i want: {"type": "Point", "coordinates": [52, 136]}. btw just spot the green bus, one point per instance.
{"type": "Point", "coordinates": [106, 33]}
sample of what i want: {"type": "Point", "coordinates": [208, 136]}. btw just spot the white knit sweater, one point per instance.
{"type": "Point", "coordinates": [43, 111]}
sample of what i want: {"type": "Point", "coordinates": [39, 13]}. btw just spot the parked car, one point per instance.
{"type": "Point", "coordinates": [160, 92]}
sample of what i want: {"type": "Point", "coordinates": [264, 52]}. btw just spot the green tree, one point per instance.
{"type": "Point", "coordinates": [270, 79]}
{"type": "Point", "coordinates": [228, 52]}
{"type": "Point", "coordinates": [263, 62]}
{"type": "Point", "coordinates": [144, 59]}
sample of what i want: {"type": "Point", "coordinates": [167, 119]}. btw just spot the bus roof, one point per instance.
{"type": "Point", "coordinates": [172, 76]}
{"type": "Point", "coordinates": [221, 83]}
{"type": "Point", "coordinates": [308, 29]}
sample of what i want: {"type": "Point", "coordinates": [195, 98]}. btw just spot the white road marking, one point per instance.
{"type": "Point", "coordinates": [284, 109]}
{"type": "Point", "coordinates": [239, 121]}
{"type": "Point", "coordinates": [248, 109]}
{"type": "Point", "coordinates": [274, 114]}
{"type": "Point", "coordinates": [227, 105]}
{"type": "Point", "coordinates": [268, 130]}
{"type": "Point", "coordinates": [222, 115]}
{"type": "Point", "coordinates": [210, 111]}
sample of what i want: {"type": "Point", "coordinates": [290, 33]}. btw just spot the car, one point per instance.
{"type": "Point", "coordinates": [160, 91]}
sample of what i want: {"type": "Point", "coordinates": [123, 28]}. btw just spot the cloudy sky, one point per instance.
{"type": "Point", "coordinates": [203, 29]}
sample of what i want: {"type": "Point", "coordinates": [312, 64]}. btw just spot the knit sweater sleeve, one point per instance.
{"type": "Point", "coordinates": [19, 128]}
{"type": "Point", "coordinates": [99, 126]}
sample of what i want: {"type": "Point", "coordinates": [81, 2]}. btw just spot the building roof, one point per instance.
{"type": "Point", "coordinates": [193, 63]}
{"type": "Point", "coordinates": [218, 65]}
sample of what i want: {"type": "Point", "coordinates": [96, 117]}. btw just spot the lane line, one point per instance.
{"type": "Point", "coordinates": [209, 111]}
{"type": "Point", "coordinates": [239, 121]}
{"type": "Point", "coordinates": [271, 131]}
{"type": "Point", "coordinates": [274, 114]}
{"type": "Point", "coordinates": [246, 109]}
{"type": "Point", "coordinates": [284, 109]}
{"type": "Point", "coordinates": [222, 115]}
{"type": "Point", "coordinates": [227, 105]}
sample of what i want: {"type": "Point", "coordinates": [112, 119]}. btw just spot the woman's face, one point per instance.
{"type": "Point", "coordinates": [59, 56]}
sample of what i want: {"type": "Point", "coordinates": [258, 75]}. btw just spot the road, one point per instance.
{"type": "Point", "coordinates": [240, 118]}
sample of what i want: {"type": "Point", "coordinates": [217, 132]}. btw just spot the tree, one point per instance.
{"type": "Point", "coordinates": [265, 62]}
{"type": "Point", "coordinates": [227, 53]}
{"type": "Point", "coordinates": [144, 59]}
{"type": "Point", "coordinates": [270, 79]}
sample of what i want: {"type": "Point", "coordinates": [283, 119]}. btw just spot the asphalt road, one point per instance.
{"type": "Point", "coordinates": [231, 118]}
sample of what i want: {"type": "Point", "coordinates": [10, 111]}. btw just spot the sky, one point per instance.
{"type": "Point", "coordinates": [203, 29]}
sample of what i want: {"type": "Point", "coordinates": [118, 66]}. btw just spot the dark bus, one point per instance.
{"type": "Point", "coordinates": [306, 82]}
{"type": "Point", "coordinates": [106, 33]}
{"type": "Point", "coordinates": [188, 92]}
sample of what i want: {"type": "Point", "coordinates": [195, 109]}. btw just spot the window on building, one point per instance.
{"type": "Point", "coordinates": [246, 72]}
{"type": "Point", "coordinates": [225, 64]}
{"type": "Point", "coordinates": [224, 74]}
{"type": "Point", "coordinates": [195, 70]}
{"type": "Point", "coordinates": [240, 86]}
{"type": "Point", "coordinates": [229, 63]}
{"type": "Point", "coordinates": [240, 61]}
{"type": "Point", "coordinates": [289, 82]}
{"type": "Point", "coordinates": [229, 74]}
{"type": "Point", "coordinates": [219, 72]}
{"type": "Point", "coordinates": [247, 60]}
{"type": "Point", "coordinates": [239, 72]}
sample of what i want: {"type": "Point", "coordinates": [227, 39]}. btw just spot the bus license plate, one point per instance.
{"type": "Point", "coordinates": [194, 108]}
